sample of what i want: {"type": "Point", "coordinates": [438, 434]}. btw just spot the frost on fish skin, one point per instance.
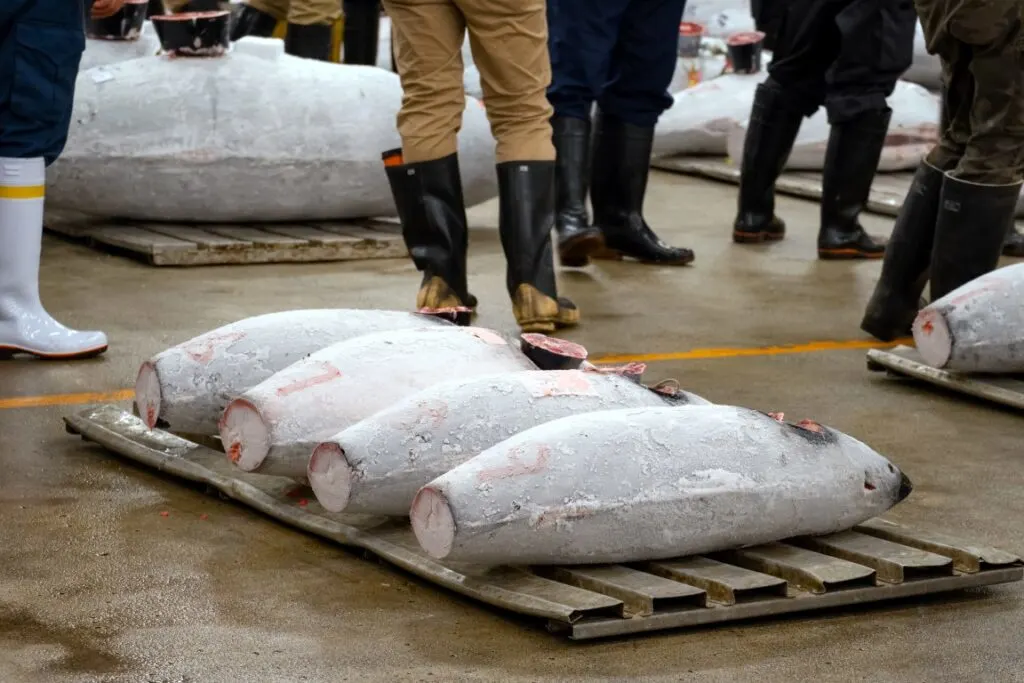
{"type": "Point", "coordinates": [651, 483]}
{"type": "Point", "coordinates": [374, 371]}
{"type": "Point", "coordinates": [978, 327]}
{"type": "Point", "coordinates": [199, 377]}
{"type": "Point", "coordinates": [395, 453]}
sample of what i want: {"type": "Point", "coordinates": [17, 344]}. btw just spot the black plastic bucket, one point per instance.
{"type": "Point", "coordinates": [745, 51]}
{"type": "Point", "coordinates": [194, 34]}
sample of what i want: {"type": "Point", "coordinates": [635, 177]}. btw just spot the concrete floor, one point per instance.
{"type": "Point", "coordinates": [97, 585]}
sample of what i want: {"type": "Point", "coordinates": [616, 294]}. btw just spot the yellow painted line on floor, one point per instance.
{"type": "Point", "coordinates": [66, 399]}
{"type": "Point", "coordinates": [693, 354]}
{"type": "Point", "coordinates": [705, 354]}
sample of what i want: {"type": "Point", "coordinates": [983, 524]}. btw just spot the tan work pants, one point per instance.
{"type": "Point", "coordinates": [509, 39]}
{"type": "Point", "coordinates": [301, 12]}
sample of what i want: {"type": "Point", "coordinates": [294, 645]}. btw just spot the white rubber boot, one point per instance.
{"type": "Point", "coordinates": [25, 326]}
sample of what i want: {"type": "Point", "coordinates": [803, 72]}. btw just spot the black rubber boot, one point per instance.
{"type": "Point", "coordinates": [526, 210]}
{"type": "Point", "coordinates": [622, 163]}
{"type": "Point", "coordinates": [576, 238]}
{"type": "Point", "coordinates": [1013, 244]}
{"type": "Point", "coordinates": [896, 299]}
{"type": "Point", "coordinates": [253, 22]}
{"type": "Point", "coordinates": [771, 132]}
{"type": "Point", "coordinates": [851, 159]}
{"type": "Point", "coordinates": [969, 232]}
{"type": "Point", "coordinates": [428, 197]}
{"type": "Point", "coordinates": [362, 29]}
{"type": "Point", "coordinates": [311, 41]}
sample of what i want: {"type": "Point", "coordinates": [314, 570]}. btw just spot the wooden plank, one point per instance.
{"type": "Point", "coordinates": [967, 556]}
{"type": "Point", "coordinates": [256, 236]}
{"type": "Point", "coordinates": [894, 563]}
{"type": "Point", "coordinates": [138, 240]}
{"type": "Point", "coordinates": [724, 583]}
{"type": "Point", "coordinates": [311, 234]}
{"type": "Point", "coordinates": [805, 569]}
{"type": "Point", "coordinates": [582, 602]}
{"type": "Point", "coordinates": [199, 236]}
{"type": "Point", "coordinates": [640, 592]}
{"type": "Point", "coordinates": [906, 361]}
{"type": "Point", "coordinates": [357, 232]}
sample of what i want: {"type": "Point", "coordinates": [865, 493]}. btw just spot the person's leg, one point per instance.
{"type": "Point", "coordinates": [41, 45]}
{"type": "Point", "coordinates": [979, 195]}
{"type": "Point", "coordinates": [877, 42]}
{"type": "Point", "coordinates": [806, 42]}
{"type": "Point", "coordinates": [510, 48]}
{"type": "Point", "coordinates": [582, 36]}
{"type": "Point", "coordinates": [362, 31]}
{"type": "Point", "coordinates": [427, 38]}
{"type": "Point", "coordinates": [642, 65]}
{"type": "Point", "coordinates": [259, 18]}
{"type": "Point", "coordinates": [310, 25]}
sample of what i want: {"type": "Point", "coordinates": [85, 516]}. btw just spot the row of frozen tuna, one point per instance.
{"type": "Point", "coordinates": [506, 453]}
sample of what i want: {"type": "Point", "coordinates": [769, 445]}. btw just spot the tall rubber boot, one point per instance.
{"type": "Point", "coordinates": [576, 238]}
{"type": "Point", "coordinates": [771, 132]}
{"type": "Point", "coordinates": [309, 41]}
{"type": "Point", "coordinates": [969, 232]}
{"type": "Point", "coordinates": [362, 31]}
{"type": "Point", "coordinates": [428, 197]}
{"type": "Point", "coordinates": [896, 299]}
{"type": "Point", "coordinates": [526, 210]}
{"type": "Point", "coordinates": [851, 159]}
{"type": "Point", "coordinates": [253, 22]}
{"type": "Point", "coordinates": [1013, 244]}
{"type": "Point", "coordinates": [25, 326]}
{"type": "Point", "coordinates": [622, 163]}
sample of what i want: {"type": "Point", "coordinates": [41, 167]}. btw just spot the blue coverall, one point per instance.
{"type": "Point", "coordinates": [41, 46]}
{"type": "Point", "coordinates": [618, 53]}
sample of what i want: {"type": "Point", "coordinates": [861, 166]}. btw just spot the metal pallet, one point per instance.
{"type": "Point", "coordinates": [905, 361]}
{"type": "Point", "coordinates": [876, 561]}
{"type": "Point", "coordinates": [177, 244]}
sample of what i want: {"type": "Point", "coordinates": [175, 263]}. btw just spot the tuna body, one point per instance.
{"type": "Point", "coordinates": [377, 465]}
{"type": "Point", "coordinates": [978, 327]}
{"type": "Point", "coordinates": [274, 427]}
{"type": "Point", "coordinates": [103, 52]}
{"type": "Point", "coordinates": [255, 135]}
{"type": "Point", "coordinates": [189, 385]}
{"type": "Point", "coordinates": [651, 483]}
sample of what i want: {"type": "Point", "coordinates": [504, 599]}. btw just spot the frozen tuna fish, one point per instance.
{"type": "Point", "coordinates": [100, 52]}
{"type": "Point", "coordinates": [977, 327]}
{"type": "Point", "coordinates": [377, 465]}
{"type": "Point", "coordinates": [913, 131]}
{"type": "Point", "coordinates": [702, 117]}
{"type": "Point", "coordinates": [274, 427]}
{"type": "Point", "coordinates": [188, 386]}
{"type": "Point", "coordinates": [926, 69]}
{"type": "Point", "coordinates": [651, 483]}
{"type": "Point", "coordinates": [720, 18]}
{"type": "Point", "coordinates": [254, 135]}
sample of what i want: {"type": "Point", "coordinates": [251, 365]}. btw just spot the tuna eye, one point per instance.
{"type": "Point", "coordinates": [892, 469]}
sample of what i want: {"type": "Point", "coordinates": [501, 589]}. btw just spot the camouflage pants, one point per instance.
{"type": "Point", "coordinates": [981, 45]}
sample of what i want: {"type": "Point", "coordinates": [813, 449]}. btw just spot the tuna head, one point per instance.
{"type": "Point", "coordinates": [883, 481]}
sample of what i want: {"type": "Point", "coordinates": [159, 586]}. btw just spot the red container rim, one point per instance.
{"type": "Point", "coordinates": [745, 38]}
{"type": "Point", "coordinates": [136, 2]}
{"type": "Point", "coordinates": [689, 28]}
{"type": "Point", "coordinates": [187, 16]}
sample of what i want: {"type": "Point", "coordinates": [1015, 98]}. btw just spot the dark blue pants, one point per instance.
{"type": "Point", "coordinates": [618, 53]}
{"type": "Point", "coordinates": [41, 45]}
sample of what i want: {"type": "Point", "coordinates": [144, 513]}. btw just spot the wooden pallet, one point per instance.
{"type": "Point", "coordinates": [905, 361]}
{"type": "Point", "coordinates": [176, 244]}
{"type": "Point", "coordinates": [874, 562]}
{"type": "Point", "coordinates": [887, 190]}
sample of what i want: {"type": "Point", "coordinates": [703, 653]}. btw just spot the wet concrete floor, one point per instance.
{"type": "Point", "coordinates": [97, 584]}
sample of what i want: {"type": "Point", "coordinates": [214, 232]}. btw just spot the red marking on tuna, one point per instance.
{"type": "Point", "coordinates": [203, 350]}
{"type": "Point", "coordinates": [564, 513]}
{"type": "Point", "coordinates": [303, 503]}
{"type": "Point", "coordinates": [811, 426]}
{"type": "Point", "coordinates": [433, 411]}
{"type": "Point", "coordinates": [150, 416]}
{"type": "Point", "coordinates": [517, 467]}
{"type": "Point", "coordinates": [164, 513]}
{"type": "Point", "coordinates": [928, 327]}
{"type": "Point", "coordinates": [779, 417]}
{"type": "Point", "coordinates": [329, 373]}
{"type": "Point", "coordinates": [992, 285]}
{"type": "Point", "coordinates": [235, 451]}
{"type": "Point", "coordinates": [567, 385]}
{"type": "Point", "coordinates": [204, 517]}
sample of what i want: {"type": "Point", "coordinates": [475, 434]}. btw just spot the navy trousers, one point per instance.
{"type": "Point", "coordinates": [41, 45]}
{"type": "Point", "coordinates": [618, 53]}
